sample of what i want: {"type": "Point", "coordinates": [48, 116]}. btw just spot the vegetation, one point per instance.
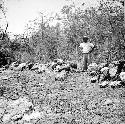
{"type": "Point", "coordinates": [104, 25]}
{"type": "Point", "coordinates": [75, 100]}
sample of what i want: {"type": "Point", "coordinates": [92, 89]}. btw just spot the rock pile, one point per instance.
{"type": "Point", "coordinates": [19, 111]}
{"type": "Point", "coordinates": [112, 74]}
{"type": "Point", "coordinates": [28, 96]}
{"type": "Point", "coordinates": [57, 68]}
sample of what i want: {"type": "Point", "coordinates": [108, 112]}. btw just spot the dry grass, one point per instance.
{"type": "Point", "coordinates": [73, 101]}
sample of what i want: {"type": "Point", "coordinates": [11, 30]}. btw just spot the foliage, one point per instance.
{"type": "Point", "coordinates": [5, 54]}
{"type": "Point", "coordinates": [104, 25]}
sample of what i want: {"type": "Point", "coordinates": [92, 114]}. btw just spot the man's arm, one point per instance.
{"type": "Point", "coordinates": [93, 47]}
{"type": "Point", "coordinates": [80, 45]}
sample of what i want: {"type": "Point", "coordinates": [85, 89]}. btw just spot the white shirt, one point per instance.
{"type": "Point", "coordinates": [87, 47]}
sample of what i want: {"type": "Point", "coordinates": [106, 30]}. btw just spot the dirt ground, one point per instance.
{"type": "Point", "coordinates": [73, 101]}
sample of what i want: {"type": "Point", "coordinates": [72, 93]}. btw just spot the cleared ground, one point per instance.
{"type": "Point", "coordinates": [73, 101]}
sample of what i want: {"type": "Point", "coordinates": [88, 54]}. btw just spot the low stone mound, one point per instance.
{"type": "Point", "coordinates": [103, 72]}
{"type": "Point", "coordinates": [20, 110]}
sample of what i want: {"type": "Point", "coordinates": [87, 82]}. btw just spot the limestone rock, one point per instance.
{"type": "Point", "coordinates": [104, 84]}
{"type": "Point", "coordinates": [16, 108]}
{"type": "Point", "coordinates": [115, 83]}
{"type": "Point", "coordinates": [122, 76]}
{"type": "Point", "coordinates": [113, 71]}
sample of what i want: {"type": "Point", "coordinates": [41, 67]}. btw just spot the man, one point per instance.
{"type": "Point", "coordinates": [87, 48]}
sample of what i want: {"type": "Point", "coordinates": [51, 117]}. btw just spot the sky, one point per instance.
{"type": "Point", "coordinates": [19, 12]}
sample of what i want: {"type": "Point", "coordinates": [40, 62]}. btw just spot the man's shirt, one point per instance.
{"type": "Point", "coordinates": [87, 47]}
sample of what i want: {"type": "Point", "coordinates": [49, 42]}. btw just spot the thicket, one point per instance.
{"type": "Point", "coordinates": [104, 25]}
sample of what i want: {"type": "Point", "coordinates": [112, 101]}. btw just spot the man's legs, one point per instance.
{"type": "Point", "coordinates": [85, 61]}
{"type": "Point", "coordinates": [89, 58]}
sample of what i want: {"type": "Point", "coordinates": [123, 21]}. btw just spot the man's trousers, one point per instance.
{"type": "Point", "coordinates": [85, 61]}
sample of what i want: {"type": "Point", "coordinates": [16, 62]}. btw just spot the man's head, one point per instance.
{"type": "Point", "coordinates": [85, 39]}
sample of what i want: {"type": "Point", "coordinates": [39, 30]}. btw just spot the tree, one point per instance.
{"type": "Point", "coordinates": [101, 24]}
{"type": "Point", "coordinates": [2, 8]}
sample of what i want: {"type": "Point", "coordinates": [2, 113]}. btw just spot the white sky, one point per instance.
{"type": "Point", "coordinates": [19, 12]}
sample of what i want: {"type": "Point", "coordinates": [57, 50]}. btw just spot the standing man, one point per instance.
{"type": "Point", "coordinates": [87, 48]}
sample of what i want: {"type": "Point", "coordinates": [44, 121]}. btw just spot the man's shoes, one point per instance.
{"type": "Point", "coordinates": [77, 71]}
{"type": "Point", "coordinates": [84, 71]}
